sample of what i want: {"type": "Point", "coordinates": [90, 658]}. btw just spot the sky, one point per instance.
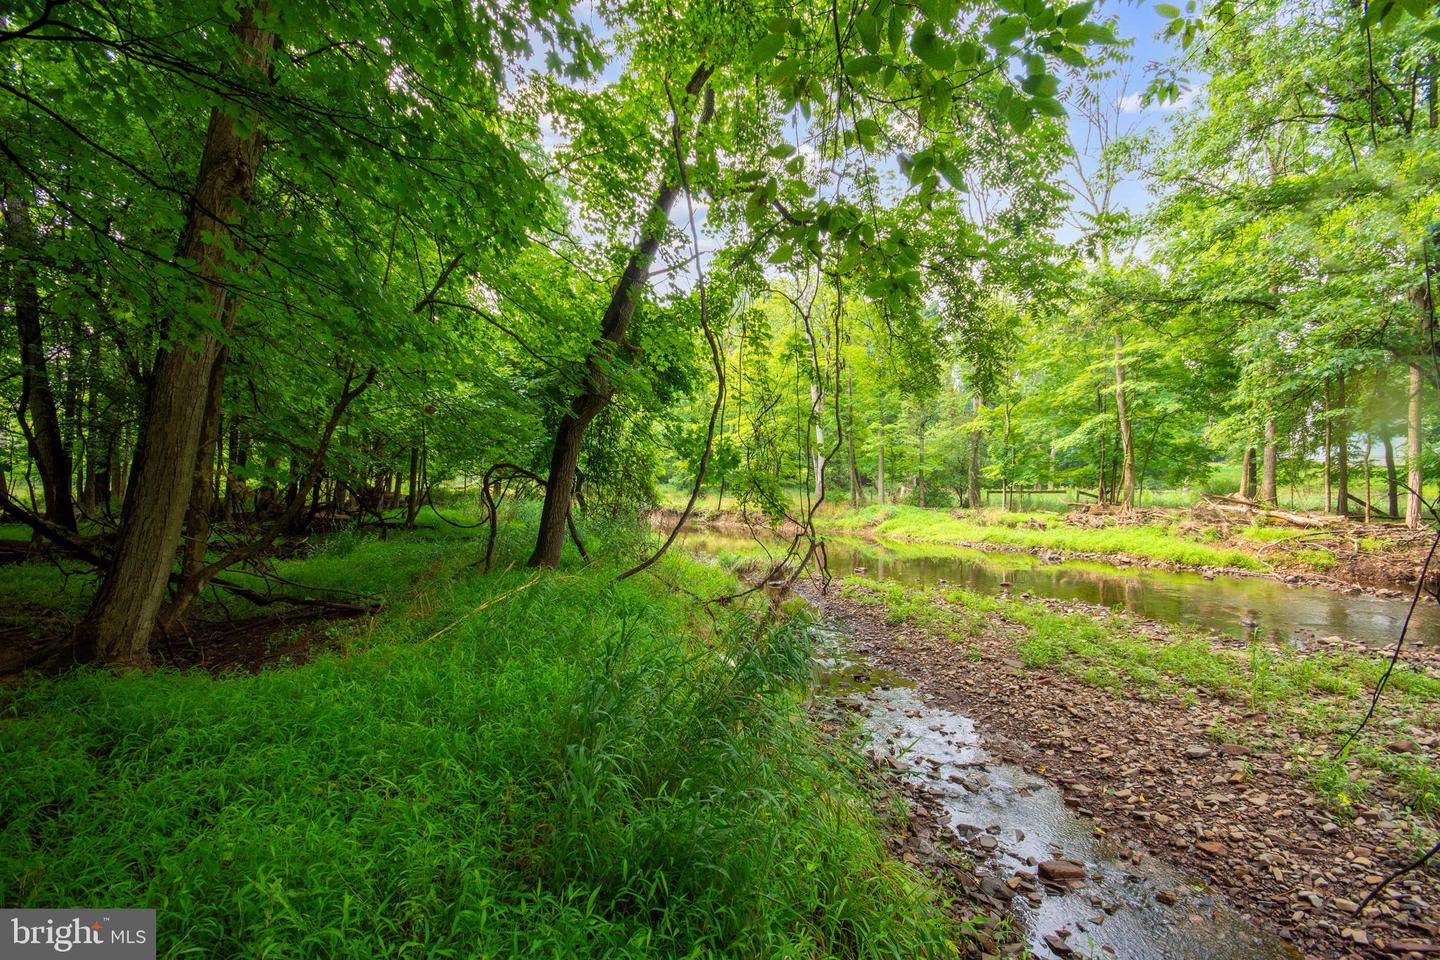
{"type": "Point", "coordinates": [1138, 21]}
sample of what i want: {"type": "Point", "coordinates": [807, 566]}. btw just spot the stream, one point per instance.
{"type": "Point", "coordinates": [1244, 607]}
{"type": "Point", "coordinates": [1072, 892]}
{"type": "Point", "coordinates": [1017, 824]}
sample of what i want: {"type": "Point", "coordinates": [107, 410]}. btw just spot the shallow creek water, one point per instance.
{"type": "Point", "coordinates": [1239, 606]}
{"type": "Point", "coordinates": [1011, 820]}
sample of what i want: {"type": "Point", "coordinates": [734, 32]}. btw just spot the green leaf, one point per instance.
{"type": "Point", "coordinates": [860, 66]}
{"type": "Point", "coordinates": [1167, 10]}
{"type": "Point", "coordinates": [783, 254]}
{"type": "Point", "coordinates": [1019, 115]}
{"type": "Point", "coordinates": [767, 48]}
{"type": "Point", "coordinates": [1049, 107]}
{"type": "Point", "coordinates": [895, 29]}
{"type": "Point", "coordinates": [931, 50]}
{"type": "Point", "coordinates": [1076, 13]}
{"type": "Point", "coordinates": [1004, 32]}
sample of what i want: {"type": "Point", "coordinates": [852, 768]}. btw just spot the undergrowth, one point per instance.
{"type": "Point", "coordinates": [507, 765]}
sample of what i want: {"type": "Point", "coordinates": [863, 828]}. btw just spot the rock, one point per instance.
{"type": "Point", "coordinates": [1197, 752]}
{"type": "Point", "coordinates": [1402, 746]}
{"type": "Point", "coordinates": [1167, 897]}
{"type": "Point", "coordinates": [1234, 749]}
{"type": "Point", "coordinates": [1213, 848]}
{"type": "Point", "coordinates": [1060, 870]}
{"type": "Point", "coordinates": [1056, 943]}
{"type": "Point", "coordinates": [996, 889]}
{"type": "Point", "coordinates": [987, 842]}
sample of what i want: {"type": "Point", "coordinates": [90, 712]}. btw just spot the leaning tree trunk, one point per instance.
{"type": "Point", "coordinates": [1127, 445]}
{"type": "Point", "coordinates": [44, 437]}
{"type": "Point", "coordinates": [124, 613]}
{"type": "Point", "coordinates": [614, 325]}
{"type": "Point", "coordinates": [1268, 491]}
{"type": "Point", "coordinates": [1415, 475]}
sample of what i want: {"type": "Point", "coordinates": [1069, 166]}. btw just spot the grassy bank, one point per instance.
{"type": "Point", "coordinates": [1036, 531]}
{"type": "Point", "coordinates": [503, 765]}
{"type": "Point", "coordinates": [1319, 696]}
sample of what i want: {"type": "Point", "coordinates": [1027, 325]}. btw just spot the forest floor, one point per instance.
{"type": "Point", "coordinates": [1201, 751]}
{"type": "Point", "coordinates": [1379, 559]}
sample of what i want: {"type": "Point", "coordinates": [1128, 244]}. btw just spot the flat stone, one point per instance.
{"type": "Point", "coordinates": [1061, 870]}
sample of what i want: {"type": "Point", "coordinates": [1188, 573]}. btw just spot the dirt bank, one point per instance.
{"type": "Point", "coordinates": [1205, 782]}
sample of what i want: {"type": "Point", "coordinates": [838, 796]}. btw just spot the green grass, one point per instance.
{"type": "Point", "coordinates": [1037, 531]}
{"type": "Point", "coordinates": [502, 766]}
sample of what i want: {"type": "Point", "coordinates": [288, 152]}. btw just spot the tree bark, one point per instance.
{"type": "Point", "coordinates": [1127, 445]}
{"type": "Point", "coordinates": [412, 499]}
{"type": "Point", "coordinates": [856, 494]}
{"type": "Point", "coordinates": [1415, 475]}
{"type": "Point", "coordinates": [920, 480]}
{"type": "Point", "coordinates": [43, 436]}
{"type": "Point", "coordinates": [123, 616]}
{"type": "Point", "coordinates": [1329, 445]}
{"type": "Point", "coordinates": [1392, 482]}
{"type": "Point", "coordinates": [972, 469]}
{"type": "Point", "coordinates": [614, 325]}
{"type": "Point", "coordinates": [202, 491]}
{"type": "Point", "coordinates": [1268, 491]}
{"type": "Point", "coordinates": [1342, 451]}
{"type": "Point", "coordinates": [880, 465]}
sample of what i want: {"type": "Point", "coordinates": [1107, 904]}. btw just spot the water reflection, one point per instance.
{"type": "Point", "coordinates": [1241, 607]}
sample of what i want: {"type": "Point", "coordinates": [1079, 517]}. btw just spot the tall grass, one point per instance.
{"type": "Point", "coordinates": [504, 765]}
{"type": "Point", "coordinates": [1037, 531]}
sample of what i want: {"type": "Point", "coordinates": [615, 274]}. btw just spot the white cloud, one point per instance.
{"type": "Point", "coordinates": [1132, 103]}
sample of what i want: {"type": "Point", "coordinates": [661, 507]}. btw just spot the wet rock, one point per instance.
{"type": "Point", "coordinates": [1057, 943]}
{"type": "Point", "coordinates": [1056, 870]}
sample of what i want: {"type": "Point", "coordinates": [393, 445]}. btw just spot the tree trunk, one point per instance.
{"type": "Point", "coordinates": [92, 449]}
{"type": "Point", "coordinates": [1415, 475]}
{"type": "Point", "coordinates": [856, 494]}
{"type": "Point", "coordinates": [880, 454]}
{"type": "Point", "coordinates": [1268, 492]}
{"type": "Point", "coordinates": [1392, 483]}
{"type": "Point", "coordinates": [1329, 445]}
{"type": "Point", "coordinates": [972, 469]}
{"type": "Point", "coordinates": [920, 480]}
{"type": "Point", "coordinates": [412, 500]}
{"type": "Point", "coordinates": [123, 616]}
{"type": "Point", "coordinates": [43, 437]}
{"type": "Point", "coordinates": [1127, 445]}
{"type": "Point", "coordinates": [202, 491]}
{"type": "Point", "coordinates": [1342, 451]}
{"type": "Point", "coordinates": [564, 456]}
